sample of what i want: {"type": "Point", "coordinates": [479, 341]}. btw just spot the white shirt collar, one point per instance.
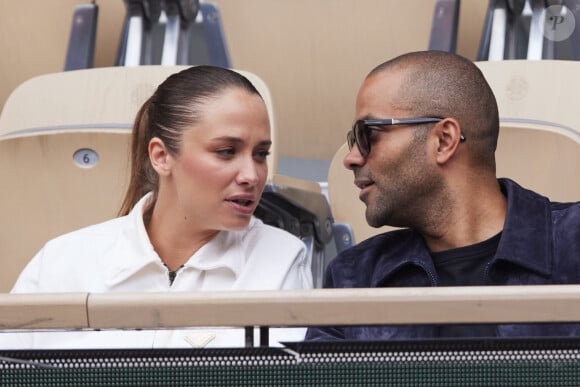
{"type": "Point", "coordinates": [223, 251]}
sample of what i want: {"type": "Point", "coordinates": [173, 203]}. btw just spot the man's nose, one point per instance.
{"type": "Point", "coordinates": [353, 158]}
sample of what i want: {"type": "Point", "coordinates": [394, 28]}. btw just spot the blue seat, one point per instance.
{"type": "Point", "coordinates": [155, 32]}
{"type": "Point", "coordinates": [530, 29]}
{"type": "Point", "coordinates": [443, 36]}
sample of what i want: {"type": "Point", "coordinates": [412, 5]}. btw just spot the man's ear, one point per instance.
{"type": "Point", "coordinates": [160, 158]}
{"type": "Point", "coordinates": [448, 134]}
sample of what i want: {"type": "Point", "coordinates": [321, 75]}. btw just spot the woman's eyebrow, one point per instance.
{"type": "Point", "coordinates": [232, 139]}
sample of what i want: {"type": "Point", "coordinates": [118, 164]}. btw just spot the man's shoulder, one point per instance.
{"type": "Point", "coordinates": [566, 217]}
{"type": "Point", "coordinates": [511, 187]}
{"type": "Point", "coordinates": [561, 211]}
{"type": "Point", "coordinates": [362, 264]}
{"type": "Point", "coordinates": [572, 208]}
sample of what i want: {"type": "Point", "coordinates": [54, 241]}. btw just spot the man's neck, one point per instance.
{"type": "Point", "coordinates": [476, 215]}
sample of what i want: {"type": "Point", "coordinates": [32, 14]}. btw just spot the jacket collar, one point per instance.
{"type": "Point", "coordinates": [406, 247]}
{"type": "Point", "coordinates": [526, 238]}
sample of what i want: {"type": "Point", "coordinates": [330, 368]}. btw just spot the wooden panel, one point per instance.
{"type": "Point", "coordinates": [43, 311]}
{"type": "Point", "coordinates": [440, 305]}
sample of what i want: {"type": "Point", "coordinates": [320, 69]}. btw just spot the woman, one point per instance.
{"type": "Point", "coordinates": [198, 168]}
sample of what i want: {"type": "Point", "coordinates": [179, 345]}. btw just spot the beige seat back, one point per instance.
{"type": "Point", "coordinates": [64, 141]}
{"type": "Point", "coordinates": [99, 98]}
{"type": "Point", "coordinates": [539, 142]}
{"type": "Point", "coordinates": [45, 193]}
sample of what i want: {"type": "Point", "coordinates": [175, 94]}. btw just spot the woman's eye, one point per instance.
{"type": "Point", "coordinates": [227, 152]}
{"type": "Point", "coordinates": [262, 155]}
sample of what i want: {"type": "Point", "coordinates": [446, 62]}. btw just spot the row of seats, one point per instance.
{"type": "Point", "coordinates": [155, 32]}
{"type": "Point", "coordinates": [514, 29]}
{"type": "Point", "coordinates": [172, 32]}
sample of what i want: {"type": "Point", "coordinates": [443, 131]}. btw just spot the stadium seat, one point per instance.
{"type": "Point", "coordinates": [172, 32]}
{"type": "Point", "coordinates": [539, 141]}
{"type": "Point", "coordinates": [155, 32]}
{"type": "Point", "coordinates": [530, 29]}
{"type": "Point", "coordinates": [443, 36]}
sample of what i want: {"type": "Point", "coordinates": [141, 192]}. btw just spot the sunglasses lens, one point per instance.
{"type": "Point", "coordinates": [350, 140]}
{"type": "Point", "coordinates": [360, 134]}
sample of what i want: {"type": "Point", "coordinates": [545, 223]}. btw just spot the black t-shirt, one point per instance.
{"type": "Point", "coordinates": [465, 266]}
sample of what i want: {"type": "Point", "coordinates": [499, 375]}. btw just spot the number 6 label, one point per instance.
{"type": "Point", "coordinates": [86, 158]}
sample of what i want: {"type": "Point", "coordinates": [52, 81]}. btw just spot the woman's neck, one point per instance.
{"type": "Point", "coordinates": [174, 243]}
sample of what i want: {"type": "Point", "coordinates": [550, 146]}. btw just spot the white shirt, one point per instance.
{"type": "Point", "coordinates": [117, 256]}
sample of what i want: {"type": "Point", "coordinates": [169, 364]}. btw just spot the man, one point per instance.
{"type": "Point", "coordinates": [422, 153]}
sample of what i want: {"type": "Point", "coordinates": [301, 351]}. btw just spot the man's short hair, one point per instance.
{"type": "Point", "coordinates": [442, 84]}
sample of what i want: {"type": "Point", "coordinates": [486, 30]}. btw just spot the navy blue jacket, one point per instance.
{"type": "Point", "coordinates": [540, 244]}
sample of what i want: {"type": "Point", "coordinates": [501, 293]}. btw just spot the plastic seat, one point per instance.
{"type": "Point", "coordinates": [172, 32]}
{"type": "Point", "coordinates": [46, 193]}
{"type": "Point", "coordinates": [155, 32]}
{"type": "Point", "coordinates": [298, 206]}
{"type": "Point", "coordinates": [530, 29]}
{"type": "Point", "coordinates": [83, 35]}
{"type": "Point", "coordinates": [539, 141]}
{"type": "Point", "coordinates": [443, 36]}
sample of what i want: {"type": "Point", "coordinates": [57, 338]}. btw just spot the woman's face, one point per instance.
{"type": "Point", "coordinates": [216, 180]}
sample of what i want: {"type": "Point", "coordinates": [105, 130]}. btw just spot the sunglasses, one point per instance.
{"type": "Point", "coordinates": [361, 130]}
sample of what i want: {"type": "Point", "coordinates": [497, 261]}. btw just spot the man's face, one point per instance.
{"type": "Point", "coordinates": [396, 178]}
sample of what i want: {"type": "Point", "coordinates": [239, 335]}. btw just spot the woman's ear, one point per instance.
{"type": "Point", "coordinates": [160, 158]}
{"type": "Point", "coordinates": [448, 134]}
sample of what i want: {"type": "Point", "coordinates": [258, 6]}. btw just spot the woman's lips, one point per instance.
{"type": "Point", "coordinates": [242, 204]}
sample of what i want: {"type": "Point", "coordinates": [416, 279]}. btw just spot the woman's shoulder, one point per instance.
{"type": "Point", "coordinates": [272, 259]}
{"type": "Point", "coordinates": [101, 230]}
{"type": "Point", "coordinates": [72, 261]}
{"type": "Point", "coordinates": [258, 229]}
{"type": "Point", "coordinates": [88, 241]}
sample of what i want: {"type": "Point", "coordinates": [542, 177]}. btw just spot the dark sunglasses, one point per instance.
{"type": "Point", "coordinates": [360, 132]}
